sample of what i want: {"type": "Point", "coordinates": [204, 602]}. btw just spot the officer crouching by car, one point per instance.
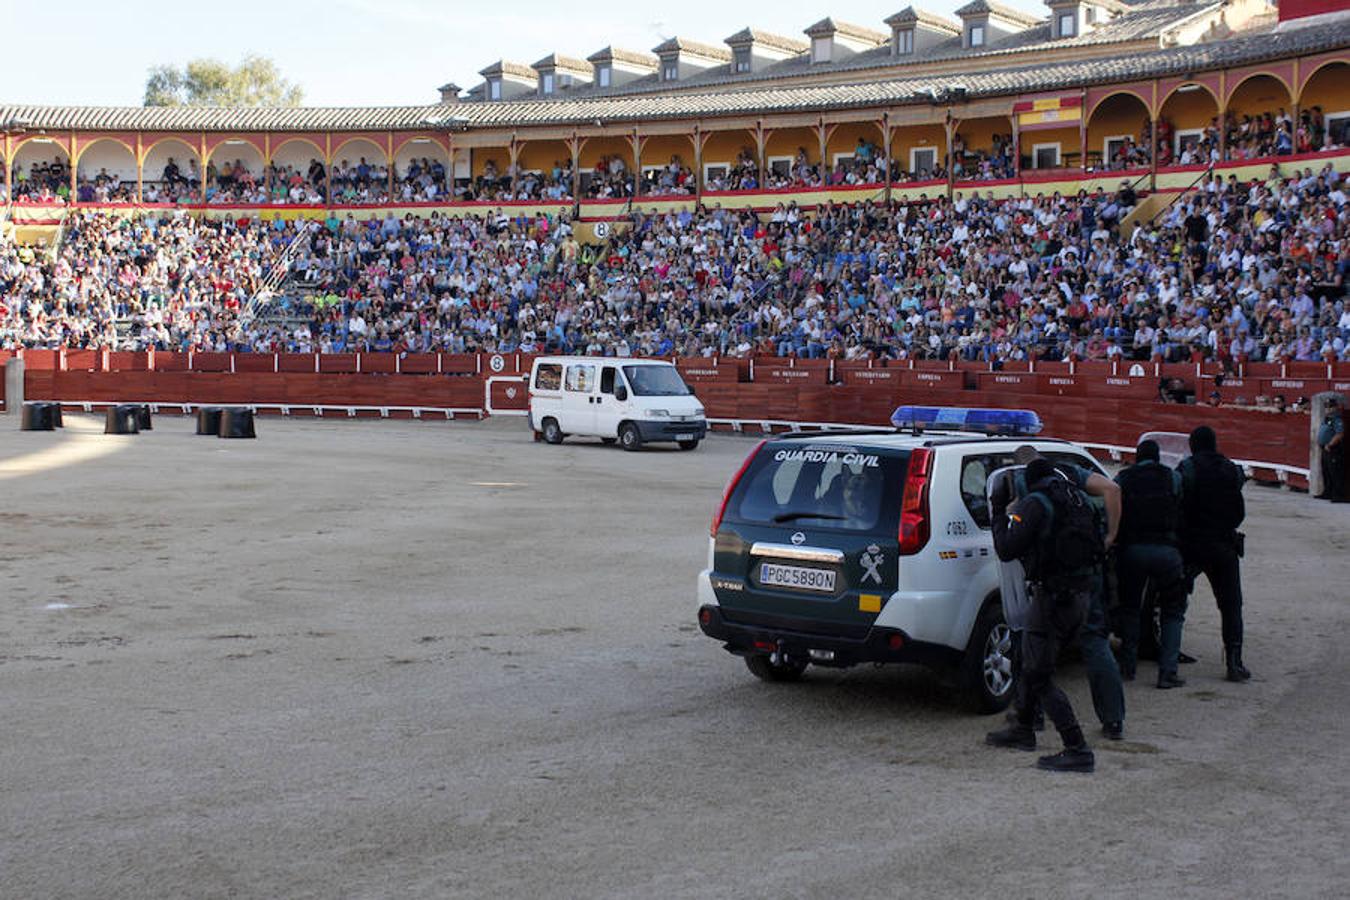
{"type": "Point", "coordinates": [1213, 508]}
{"type": "Point", "coordinates": [1094, 638]}
{"type": "Point", "coordinates": [1148, 555]}
{"type": "Point", "coordinates": [1053, 531]}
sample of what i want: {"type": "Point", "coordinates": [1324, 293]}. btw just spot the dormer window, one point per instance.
{"type": "Point", "coordinates": [495, 89]}
{"type": "Point", "coordinates": [976, 36]}
{"type": "Point", "coordinates": [820, 50]}
{"type": "Point", "coordinates": [671, 71]}
{"type": "Point", "coordinates": [904, 42]}
{"type": "Point", "coordinates": [743, 60]}
{"type": "Point", "coordinates": [602, 76]}
{"type": "Point", "coordinates": [1068, 24]}
{"type": "Point", "coordinates": [547, 83]}
{"type": "Point", "coordinates": [1091, 15]}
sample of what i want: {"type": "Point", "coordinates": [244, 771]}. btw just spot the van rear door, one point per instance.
{"type": "Point", "coordinates": [578, 406]}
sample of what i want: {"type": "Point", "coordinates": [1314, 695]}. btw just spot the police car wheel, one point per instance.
{"type": "Point", "coordinates": [552, 432]}
{"type": "Point", "coordinates": [766, 670]}
{"type": "Point", "coordinates": [629, 436]}
{"type": "Point", "coordinates": [688, 445]}
{"type": "Point", "coordinates": [986, 673]}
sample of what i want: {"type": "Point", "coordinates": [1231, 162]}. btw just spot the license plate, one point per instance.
{"type": "Point", "coordinates": [684, 437]}
{"type": "Point", "coordinates": [797, 577]}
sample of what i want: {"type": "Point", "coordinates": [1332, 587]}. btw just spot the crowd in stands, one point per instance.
{"type": "Point", "coordinates": [1273, 133]}
{"type": "Point", "coordinates": [1232, 271]}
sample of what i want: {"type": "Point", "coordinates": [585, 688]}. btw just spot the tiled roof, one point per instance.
{"type": "Point", "coordinates": [558, 61]}
{"type": "Point", "coordinates": [582, 108]}
{"type": "Point", "coordinates": [693, 48]}
{"type": "Point", "coordinates": [991, 7]}
{"type": "Point", "coordinates": [505, 67]}
{"type": "Point", "coordinates": [827, 26]}
{"type": "Point", "coordinates": [1147, 20]}
{"type": "Point", "coordinates": [776, 41]}
{"type": "Point", "coordinates": [909, 16]}
{"type": "Point", "coordinates": [631, 57]}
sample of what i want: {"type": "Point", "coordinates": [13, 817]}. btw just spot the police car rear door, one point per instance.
{"type": "Point", "coordinates": [809, 539]}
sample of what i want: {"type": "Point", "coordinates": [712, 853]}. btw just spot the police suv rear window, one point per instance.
{"type": "Point", "coordinates": [822, 486]}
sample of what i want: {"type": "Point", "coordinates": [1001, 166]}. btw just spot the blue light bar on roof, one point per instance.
{"type": "Point", "coordinates": [961, 418]}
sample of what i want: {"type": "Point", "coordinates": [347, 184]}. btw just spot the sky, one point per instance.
{"type": "Point", "coordinates": [365, 52]}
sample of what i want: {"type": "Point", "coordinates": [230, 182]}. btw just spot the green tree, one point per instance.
{"type": "Point", "coordinates": [256, 81]}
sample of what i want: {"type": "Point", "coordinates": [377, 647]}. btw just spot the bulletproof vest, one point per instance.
{"type": "Point", "coordinates": [1212, 502]}
{"type": "Point", "coordinates": [1071, 543]}
{"type": "Point", "coordinates": [1150, 505]}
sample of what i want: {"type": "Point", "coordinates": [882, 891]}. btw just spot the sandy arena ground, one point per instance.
{"type": "Point", "coordinates": [431, 659]}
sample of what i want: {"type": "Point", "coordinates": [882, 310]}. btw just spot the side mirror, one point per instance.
{"type": "Point", "coordinates": [620, 393]}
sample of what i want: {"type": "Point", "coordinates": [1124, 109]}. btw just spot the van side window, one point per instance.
{"type": "Point", "coordinates": [607, 380]}
{"type": "Point", "coordinates": [548, 377]}
{"type": "Point", "coordinates": [580, 378]}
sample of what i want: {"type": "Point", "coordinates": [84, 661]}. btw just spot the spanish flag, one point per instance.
{"type": "Point", "coordinates": [1049, 111]}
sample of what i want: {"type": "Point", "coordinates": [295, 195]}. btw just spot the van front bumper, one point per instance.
{"type": "Point", "coordinates": [746, 634]}
{"type": "Point", "coordinates": [672, 431]}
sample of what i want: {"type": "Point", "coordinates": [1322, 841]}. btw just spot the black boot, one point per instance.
{"type": "Point", "coordinates": [1037, 721]}
{"type": "Point", "coordinates": [1016, 736]}
{"type": "Point", "coordinates": [1232, 657]}
{"type": "Point", "coordinates": [1167, 680]}
{"type": "Point", "coordinates": [1075, 757]}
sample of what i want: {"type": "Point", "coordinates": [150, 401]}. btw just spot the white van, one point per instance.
{"type": "Point", "coordinates": [632, 401]}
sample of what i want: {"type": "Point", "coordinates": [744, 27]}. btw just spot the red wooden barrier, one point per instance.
{"type": "Point", "coordinates": [377, 363]}
{"type": "Point", "coordinates": [255, 362]}
{"type": "Point", "coordinates": [337, 363]}
{"type": "Point", "coordinates": [166, 361]}
{"type": "Point", "coordinates": [935, 379]}
{"type": "Point", "coordinates": [697, 370]}
{"type": "Point", "coordinates": [210, 362]}
{"type": "Point", "coordinates": [296, 362]}
{"type": "Point", "coordinates": [467, 364]}
{"type": "Point", "coordinates": [127, 361]}
{"type": "Point", "coordinates": [853, 376]}
{"type": "Point", "coordinates": [419, 364]}
{"type": "Point", "coordinates": [784, 373]}
{"type": "Point", "coordinates": [1007, 382]}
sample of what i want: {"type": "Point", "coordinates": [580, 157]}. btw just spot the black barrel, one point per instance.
{"type": "Point", "coordinates": [208, 420]}
{"type": "Point", "coordinates": [123, 419]}
{"type": "Point", "coordinates": [39, 416]}
{"type": "Point", "coordinates": [236, 422]}
{"type": "Point", "coordinates": [143, 417]}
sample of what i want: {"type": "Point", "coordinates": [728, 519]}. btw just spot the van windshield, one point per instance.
{"type": "Point", "coordinates": [656, 381]}
{"type": "Point", "coordinates": [825, 486]}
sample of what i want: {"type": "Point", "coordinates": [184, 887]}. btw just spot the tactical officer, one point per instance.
{"type": "Point", "coordinates": [1104, 676]}
{"type": "Point", "coordinates": [1331, 438]}
{"type": "Point", "coordinates": [1149, 555]}
{"type": "Point", "coordinates": [1053, 531]}
{"type": "Point", "coordinates": [1213, 509]}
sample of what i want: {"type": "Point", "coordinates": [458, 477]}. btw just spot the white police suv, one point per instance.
{"type": "Point", "coordinates": [856, 547]}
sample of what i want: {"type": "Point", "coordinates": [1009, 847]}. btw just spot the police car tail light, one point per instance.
{"type": "Point", "coordinates": [914, 528]}
{"type": "Point", "coordinates": [731, 487]}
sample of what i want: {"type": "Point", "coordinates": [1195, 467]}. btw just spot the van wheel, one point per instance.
{"type": "Point", "coordinates": [629, 436]}
{"type": "Point", "coordinates": [986, 677]}
{"type": "Point", "coordinates": [761, 667]}
{"type": "Point", "coordinates": [688, 445]}
{"type": "Point", "coordinates": [552, 432]}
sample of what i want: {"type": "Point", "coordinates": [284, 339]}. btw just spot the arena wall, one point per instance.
{"type": "Point", "coordinates": [1094, 403]}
